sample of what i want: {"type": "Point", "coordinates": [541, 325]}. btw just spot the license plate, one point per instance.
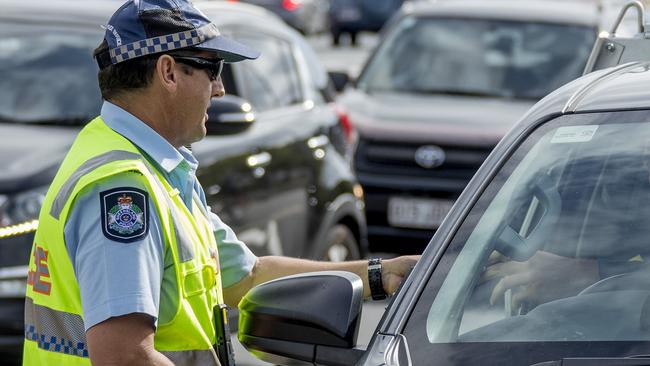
{"type": "Point", "coordinates": [417, 213]}
{"type": "Point", "coordinates": [350, 14]}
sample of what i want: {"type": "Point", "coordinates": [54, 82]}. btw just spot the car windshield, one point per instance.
{"type": "Point", "coordinates": [479, 57]}
{"type": "Point", "coordinates": [554, 253]}
{"type": "Point", "coordinates": [48, 75]}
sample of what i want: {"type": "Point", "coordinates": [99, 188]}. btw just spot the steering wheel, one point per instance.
{"type": "Point", "coordinates": [507, 240]}
{"type": "Point", "coordinates": [639, 280]}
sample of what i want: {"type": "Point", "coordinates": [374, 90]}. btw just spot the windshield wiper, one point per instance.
{"type": "Point", "coordinates": [643, 360]}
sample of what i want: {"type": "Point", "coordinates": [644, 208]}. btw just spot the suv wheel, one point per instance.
{"type": "Point", "coordinates": [340, 245]}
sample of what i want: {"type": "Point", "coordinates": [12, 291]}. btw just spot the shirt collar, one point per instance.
{"type": "Point", "coordinates": [148, 140]}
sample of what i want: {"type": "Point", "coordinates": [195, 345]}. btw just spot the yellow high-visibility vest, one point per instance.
{"type": "Point", "coordinates": [54, 328]}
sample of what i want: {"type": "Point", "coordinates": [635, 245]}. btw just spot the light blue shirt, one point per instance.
{"type": "Point", "coordinates": [118, 278]}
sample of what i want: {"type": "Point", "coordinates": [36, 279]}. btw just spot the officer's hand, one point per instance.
{"type": "Point", "coordinates": [394, 270]}
{"type": "Point", "coordinates": [542, 278]}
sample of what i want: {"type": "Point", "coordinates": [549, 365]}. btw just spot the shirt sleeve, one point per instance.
{"type": "Point", "coordinates": [235, 258]}
{"type": "Point", "coordinates": [118, 268]}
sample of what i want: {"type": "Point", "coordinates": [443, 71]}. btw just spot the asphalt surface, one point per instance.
{"type": "Point", "coordinates": [345, 57]}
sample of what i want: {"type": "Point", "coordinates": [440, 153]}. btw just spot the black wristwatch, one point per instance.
{"type": "Point", "coordinates": [374, 279]}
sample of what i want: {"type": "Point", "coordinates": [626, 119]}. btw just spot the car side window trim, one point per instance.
{"type": "Point", "coordinates": [285, 51]}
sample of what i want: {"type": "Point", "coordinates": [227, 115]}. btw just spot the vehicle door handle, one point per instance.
{"type": "Point", "coordinates": [258, 160]}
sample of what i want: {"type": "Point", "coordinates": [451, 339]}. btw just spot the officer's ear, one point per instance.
{"type": "Point", "coordinates": [166, 72]}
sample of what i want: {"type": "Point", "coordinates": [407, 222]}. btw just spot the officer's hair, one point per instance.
{"type": "Point", "coordinates": [126, 76]}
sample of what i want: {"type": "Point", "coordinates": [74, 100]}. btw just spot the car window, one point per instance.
{"type": "Point", "coordinates": [48, 74]}
{"type": "Point", "coordinates": [484, 57]}
{"type": "Point", "coordinates": [272, 81]}
{"type": "Point", "coordinates": [553, 258]}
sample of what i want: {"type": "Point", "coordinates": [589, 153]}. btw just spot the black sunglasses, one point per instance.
{"type": "Point", "coordinates": [213, 67]}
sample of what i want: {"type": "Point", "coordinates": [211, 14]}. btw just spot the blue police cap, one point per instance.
{"type": "Point", "coordinates": [144, 27]}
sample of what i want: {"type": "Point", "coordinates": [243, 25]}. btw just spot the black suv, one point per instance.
{"type": "Point", "coordinates": [283, 182]}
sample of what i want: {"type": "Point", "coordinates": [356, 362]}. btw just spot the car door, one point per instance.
{"type": "Point", "coordinates": [549, 260]}
{"type": "Point", "coordinates": [260, 184]}
{"type": "Point", "coordinates": [289, 133]}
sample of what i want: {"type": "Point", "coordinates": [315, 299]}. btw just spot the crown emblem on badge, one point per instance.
{"type": "Point", "coordinates": [124, 214]}
{"type": "Point", "coordinates": [126, 217]}
{"type": "Point", "coordinates": [124, 200]}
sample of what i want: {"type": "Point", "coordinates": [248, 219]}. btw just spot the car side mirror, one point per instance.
{"type": "Point", "coordinates": [340, 79]}
{"type": "Point", "coordinates": [229, 115]}
{"type": "Point", "coordinates": [312, 317]}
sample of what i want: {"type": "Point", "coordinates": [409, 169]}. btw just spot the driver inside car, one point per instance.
{"type": "Point", "coordinates": [612, 216]}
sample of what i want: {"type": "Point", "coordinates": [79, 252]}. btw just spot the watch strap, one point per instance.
{"type": "Point", "coordinates": [374, 279]}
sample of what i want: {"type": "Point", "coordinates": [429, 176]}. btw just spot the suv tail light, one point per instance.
{"type": "Point", "coordinates": [344, 121]}
{"type": "Point", "coordinates": [291, 5]}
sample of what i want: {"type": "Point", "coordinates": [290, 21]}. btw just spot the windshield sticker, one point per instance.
{"type": "Point", "coordinates": [572, 134]}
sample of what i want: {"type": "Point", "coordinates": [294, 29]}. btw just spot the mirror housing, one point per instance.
{"type": "Point", "coordinates": [229, 115]}
{"type": "Point", "coordinates": [310, 318]}
{"type": "Point", "coordinates": [340, 79]}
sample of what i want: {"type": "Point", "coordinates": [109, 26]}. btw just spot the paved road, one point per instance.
{"type": "Point", "coordinates": [344, 58]}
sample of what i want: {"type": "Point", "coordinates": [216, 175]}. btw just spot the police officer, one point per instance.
{"type": "Point", "coordinates": [129, 264]}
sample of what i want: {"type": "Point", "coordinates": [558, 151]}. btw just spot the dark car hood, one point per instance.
{"type": "Point", "coordinates": [30, 155]}
{"type": "Point", "coordinates": [468, 121]}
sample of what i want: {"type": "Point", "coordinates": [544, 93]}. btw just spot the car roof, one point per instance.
{"type": "Point", "coordinates": [90, 13]}
{"type": "Point", "coordinates": [551, 11]}
{"type": "Point", "coordinates": [94, 13]}
{"type": "Point", "coordinates": [622, 87]}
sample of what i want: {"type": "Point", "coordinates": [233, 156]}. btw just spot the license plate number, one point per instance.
{"type": "Point", "coordinates": [349, 15]}
{"type": "Point", "coordinates": [417, 213]}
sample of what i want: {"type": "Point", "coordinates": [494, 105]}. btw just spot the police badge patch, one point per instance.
{"type": "Point", "coordinates": [125, 215]}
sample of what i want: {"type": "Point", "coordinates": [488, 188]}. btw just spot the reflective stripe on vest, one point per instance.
{"type": "Point", "coordinates": [183, 243]}
{"type": "Point", "coordinates": [85, 168]}
{"type": "Point", "coordinates": [55, 331]}
{"type": "Point", "coordinates": [58, 331]}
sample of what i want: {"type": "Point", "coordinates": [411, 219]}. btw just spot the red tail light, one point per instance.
{"type": "Point", "coordinates": [291, 5]}
{"type": "Point", "coordinates": [344, 121]}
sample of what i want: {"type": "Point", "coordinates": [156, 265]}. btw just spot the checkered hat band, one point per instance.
{"type": "Point", "coordinates": [164, 43]}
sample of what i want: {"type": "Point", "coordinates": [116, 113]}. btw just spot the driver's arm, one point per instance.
{"type": "Point", "coordinates": [542, 278]}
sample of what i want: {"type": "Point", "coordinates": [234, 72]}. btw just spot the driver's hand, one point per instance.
{"type": "Point", "coordinates": [542, 278]}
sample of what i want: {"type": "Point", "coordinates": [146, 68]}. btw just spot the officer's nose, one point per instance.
{"type": "Point", "coordinates": [218, 90]}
